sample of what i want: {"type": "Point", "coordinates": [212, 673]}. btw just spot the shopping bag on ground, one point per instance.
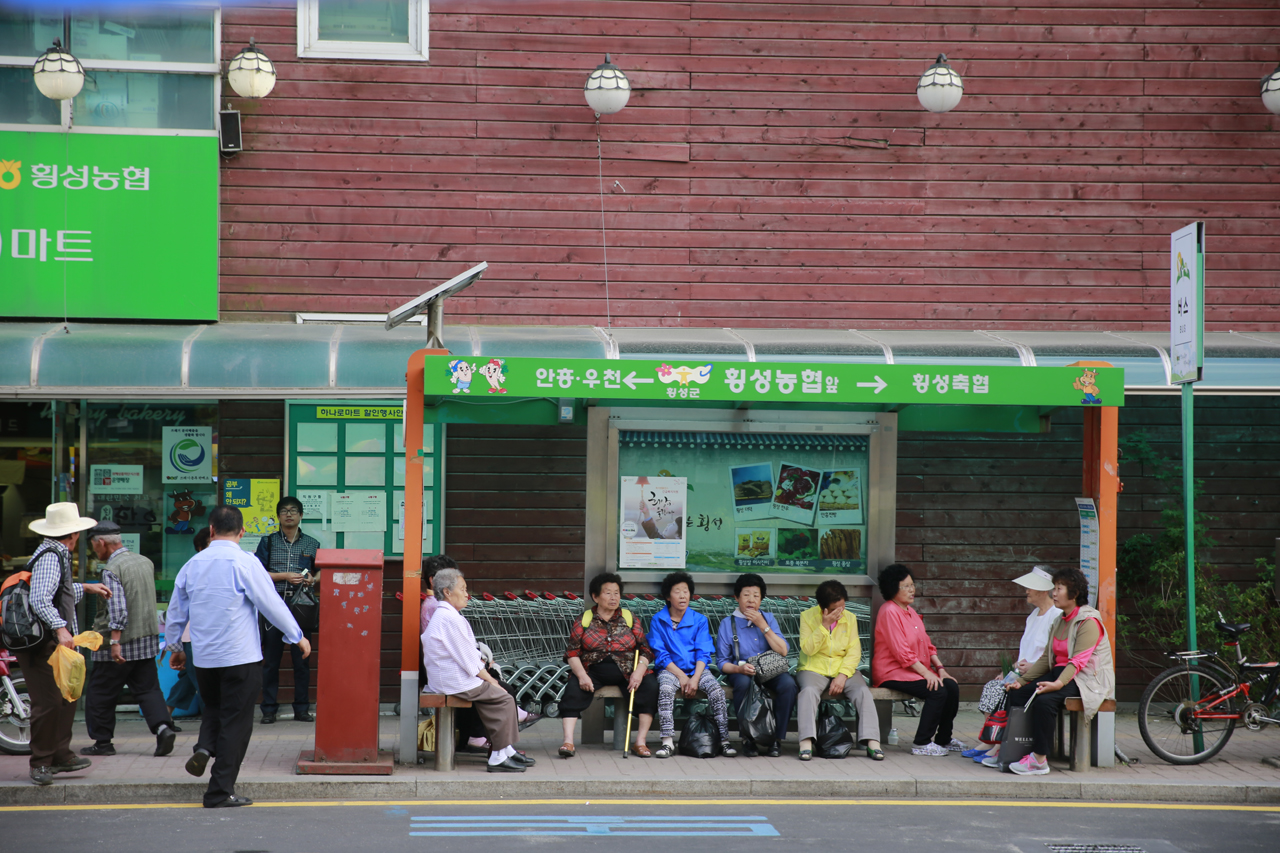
{"type": "Point", "coordinates": [756, 721]}
{"type": "Point", "coordinates": [1017, 738]}
{"type": "Point", "coordinates": [833, 739]}
{"type": "Point", "coordinates": [68, 664]}
{"type": "Point", "coordinates": [427, 735]}
{"type": "Point", "coordinates": [993, 729]}
{"type": "Point", "coordinates": [700, 738]}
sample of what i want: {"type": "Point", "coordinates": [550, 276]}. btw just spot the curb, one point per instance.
{"type": "Point", "coordinates": [454, 788]}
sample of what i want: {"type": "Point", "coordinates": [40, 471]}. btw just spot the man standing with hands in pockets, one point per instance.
{"type": "Point", "coordinates": [220, 592]}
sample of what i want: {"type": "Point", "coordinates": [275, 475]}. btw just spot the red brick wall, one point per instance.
{"type": "Point", "coordinates": [773, 167]}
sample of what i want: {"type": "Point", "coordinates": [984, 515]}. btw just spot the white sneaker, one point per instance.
{"type": "Point", "coordinates": [991, 761]}
{"type": "Point", "coordinates": [956, 746]}
{"type": "Point", "coordinates": [929, 749]}
{"type": "Point", "coordinates": [1030, 767]}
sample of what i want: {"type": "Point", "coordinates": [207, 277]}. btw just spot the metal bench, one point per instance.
{"type": "Point", "coordinates": [1099, 748]}
{"type": "Point", "coordinates": [593, 716]}
{"type": "Point", "coordinates": [443, 705]}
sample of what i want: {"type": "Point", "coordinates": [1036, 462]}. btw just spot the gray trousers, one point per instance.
{"type": "Point", "coordinates": [497, 711]}
{"type": "Point", "coordinates": [813, 689]}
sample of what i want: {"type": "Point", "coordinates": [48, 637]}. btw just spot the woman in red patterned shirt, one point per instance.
{"type": "Point", "coordinates": [602, 649]}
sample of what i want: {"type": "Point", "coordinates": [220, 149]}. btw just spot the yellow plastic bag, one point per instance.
{"type": "Point", "coordinates": [68, 665]}
{"type": "Point", "coordinates": [427, 735]}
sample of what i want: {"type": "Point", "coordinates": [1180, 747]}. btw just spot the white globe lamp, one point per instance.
{"type": "Point", "coordinates": [59, 76]}
{"type": "Point", "coordinates": [940, 88]}
{"type": "Point", "coordinates": [1271, 91]}
{"type": "Point", "coordinates": [607, 89]}
{"type": "Point", "coordinates": [250, 73]}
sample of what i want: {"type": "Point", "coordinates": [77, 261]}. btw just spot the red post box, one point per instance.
{"type": "Point", "coordinates": [347, 695]}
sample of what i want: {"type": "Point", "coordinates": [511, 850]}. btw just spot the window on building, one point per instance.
{"type": "Point", "coordinates": [359, 29]}
{"type": "Point", "coordinates": [154, 70]}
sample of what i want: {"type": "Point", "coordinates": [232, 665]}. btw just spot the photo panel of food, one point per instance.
{"type": "Point", "coordinates": [752, 490]}
{"type": "Point", "coordinates": [795, 496]}
{"type": "Point", "coordinates": [755, 546]}
{"type": "Point", "coordinates": [797, 546]}
{"type": "Point", "coordinates": [840, 497]}
{"type": "Point", "coordinates": [840, 543]}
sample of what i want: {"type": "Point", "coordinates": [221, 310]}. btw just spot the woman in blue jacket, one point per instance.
{"type": "Point", "coordinates": [681, 643]}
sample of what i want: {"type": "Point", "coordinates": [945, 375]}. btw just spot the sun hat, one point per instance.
{"type": "Point", "coordinates": [1038, 578]}
{"type": "Point", "coordinates": [61, 519]}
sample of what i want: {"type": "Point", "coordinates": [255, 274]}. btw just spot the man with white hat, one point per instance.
{"type": "Point", "coordinates": [53, 598]}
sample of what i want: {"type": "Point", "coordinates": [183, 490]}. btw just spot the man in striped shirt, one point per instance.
{"type": "Point", "coordinates": [132, 629]}
{"type": "Point", "coordinates": [53, 598]}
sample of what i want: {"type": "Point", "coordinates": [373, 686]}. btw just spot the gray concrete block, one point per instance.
{"type": "Point", "coordinates": [27, 794]}
{"type": "Point", "coordinates": [339, 788]}
{"type": "Point", "coordinates": [135, 792]}
{"type": "Point", "coordinates": [1011, 788]}
{"type": "Point", "coordinates": [1260, 794]}
{"type": "Point", "coordinates": [842, 788]}
{"type": "Point", "coordinates": [1165, 792]}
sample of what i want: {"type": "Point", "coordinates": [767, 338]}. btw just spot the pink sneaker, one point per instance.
{"type": "Point", "coordinates": [1030, 767]}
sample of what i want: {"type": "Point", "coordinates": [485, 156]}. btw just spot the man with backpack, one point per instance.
{"type": "Point", "coordinates": [53, 598]}
{"type": "Point", "coordinates": [131, 628]}
{"type": "Point", "coordinates": [288, 555]}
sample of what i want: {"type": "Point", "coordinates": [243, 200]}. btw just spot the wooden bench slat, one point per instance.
{"type": "Point", "coordinates": [1076, 704]}
{"type": "Point", "coordinates": [441, 700]}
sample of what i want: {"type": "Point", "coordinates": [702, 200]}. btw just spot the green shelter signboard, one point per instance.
{"type": "Point", "coordinates": [108, 226]}
{"type": "Point", "coordinates": [784, 382]}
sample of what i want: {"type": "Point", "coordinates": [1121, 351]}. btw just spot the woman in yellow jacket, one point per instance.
{"type": "Point", "coordinates": [829, 656]}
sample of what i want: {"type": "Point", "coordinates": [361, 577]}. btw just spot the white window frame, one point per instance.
{"type": "Point", "coordinates": [211, 70]}
{"type": "Point", "coordinates": [310, 45]}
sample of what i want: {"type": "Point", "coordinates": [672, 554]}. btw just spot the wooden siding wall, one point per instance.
{"type": "Point", "coordinates": [773, 167]}
{"type": "Point", "coordinates": [976, 510]}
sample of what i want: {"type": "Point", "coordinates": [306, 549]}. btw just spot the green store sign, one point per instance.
{"type": "Point", "coordinates": [795, 382]}
{"type": "Point", "coordinates": [108, 226]}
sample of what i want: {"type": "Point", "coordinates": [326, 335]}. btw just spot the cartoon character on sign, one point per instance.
{"type": "Point", "coordinates": [496, 372]}
{"type": "Point", "coordinates": [1088, 384]}
{"type": "Point", "coordinates": [185, 508]}
{"type": "Point", "coordinates": [460, 375]}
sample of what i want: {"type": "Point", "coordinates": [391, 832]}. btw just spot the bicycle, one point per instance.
{"type": "Point", "coordinates": [1188, 712]}
{"type": "Point", "coordinates": [15, 709]}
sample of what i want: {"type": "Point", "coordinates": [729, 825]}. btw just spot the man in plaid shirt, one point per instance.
{"type": "Point", "coordinates": [131, 628]}
{"type": "Point", "coordinates": [286, 554]}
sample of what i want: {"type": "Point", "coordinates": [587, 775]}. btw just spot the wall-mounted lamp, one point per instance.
{"type": "Point", "coordinates": [59, 76]}
{"type": "Point", "coordinates": [940, 88]}
{"type": "Point", "coordinates": [607, 89]}
{"type": "Point", "coordinates": [250, 73]}
{"type": "Point", "coordinates": [1271, 97]}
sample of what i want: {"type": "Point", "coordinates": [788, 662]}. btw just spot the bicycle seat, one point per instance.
{"type": "Point", "coordinates": [1234, 630]}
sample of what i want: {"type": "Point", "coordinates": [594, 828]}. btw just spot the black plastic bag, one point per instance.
{"type": "Point", "coordinates": [1017, 738]}
{"type": "Point", "coordinates": [833, 740]}
{"type": "Point", "coordinates": [701, 735]}
{"type": "Point", "coordinates": [756, 721]}
{"type": "Point", "coordinates": [305, 607]}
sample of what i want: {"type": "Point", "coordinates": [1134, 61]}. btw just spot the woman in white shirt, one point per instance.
{"type": "Point", "coordinates": [1039, 586]}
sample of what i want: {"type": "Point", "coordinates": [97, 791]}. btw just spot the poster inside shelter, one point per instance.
{"type": "Point", "coordinates": [840, 497]}
{"type": "Point", "coordinates": [651, 523]}
{"type": "Point", "coordinates": [752, 491]}
{"type": "Point", "coordinates": [795, 497]}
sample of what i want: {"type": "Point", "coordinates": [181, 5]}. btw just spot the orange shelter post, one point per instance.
{"type": "Point", "coordinates": [1102, 483]}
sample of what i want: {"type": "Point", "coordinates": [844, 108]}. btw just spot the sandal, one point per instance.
{"type": "Point", "coordinates": [663, 751]}
{"type": "Point", "coordinates": [567, 750]}
{"type": "Point", "coordinates": [806, 754]}
{"type": "Point", "coordinates": [641, 750]}
{"type": "Point", "coordinates": [875, 754]}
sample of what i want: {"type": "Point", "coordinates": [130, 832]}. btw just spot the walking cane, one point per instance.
{"type": "Point", "coordinates": [626, 744]}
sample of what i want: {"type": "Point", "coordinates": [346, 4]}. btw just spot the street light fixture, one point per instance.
{"type": "Point", "coordinates": [59, 76]}
{"type": "Point", "coordinates": [250, 73]}
{"type": "Point", "coordinates": [1271, 91]}
{"type": "Point", "coordinates": [940, 88]}
{"type": "Point", "coordinates": [607, 89]}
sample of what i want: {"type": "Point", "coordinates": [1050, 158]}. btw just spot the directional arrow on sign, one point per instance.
{"type": "Point", "coordinates": [879, 385]}
{"type": "Point", "coordinates": [631, 381]}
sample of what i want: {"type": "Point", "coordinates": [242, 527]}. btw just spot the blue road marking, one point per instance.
{"type": "Point", "coordinates": [541, 825]}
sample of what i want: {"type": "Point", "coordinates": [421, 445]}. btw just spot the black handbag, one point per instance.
{"type": "Point", "coordinates": [833, 738]}
{"type": "Point", "coordinates": [756, 721]}
{"type": "Point", "coordinates": [769, 664]}
{"type": "Point", "coordinates": [701, 736]}
{"type": "Point", "coordinates": [1017, 738]}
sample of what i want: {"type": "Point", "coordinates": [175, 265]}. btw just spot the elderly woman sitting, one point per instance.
{"type": "Point", "coordinates": [603, 649]}
{"type": "Point", "coordinates": [746, 633]}
{"type": "Point", "coordinates": [454, 667]}
{"type": "Point", "coordinates": [830, 652]}
{"type": "Point", "coordinates": [681, 640]}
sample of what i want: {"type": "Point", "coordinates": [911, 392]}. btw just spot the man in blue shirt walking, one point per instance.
{"type": "Point", "coordinates": [220, 592]}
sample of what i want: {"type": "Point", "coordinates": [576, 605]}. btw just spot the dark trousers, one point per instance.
{"type": "Point", "coordinates": [607, 672]}
{"type": "Point", "coordinates": [938, 715]}
{"type": "Point", "coordinates": [272, 652]}
{"type": "Point", "coordinates": [1045, 709]}
{"type": "Point", "coordinates": [784, 690]}
{"type": "Point", "coordinates": [227, 723]}
{"type": "Point", "coordinates": [51, 716]}
{"type": "Point", "coordinates": [103, 692]}
{"type": "Point", "coordinates": [185, 688]}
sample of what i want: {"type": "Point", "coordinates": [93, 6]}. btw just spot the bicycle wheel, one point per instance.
{"type": "Point", "coordinates": [1165, 714]}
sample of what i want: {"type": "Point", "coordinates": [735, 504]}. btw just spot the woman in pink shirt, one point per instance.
{"type": "Point", "coordinates": [904, 659]}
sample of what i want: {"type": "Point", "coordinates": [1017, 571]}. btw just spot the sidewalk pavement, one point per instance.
{"type": "Point", "coordinates": [1237, 775]}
